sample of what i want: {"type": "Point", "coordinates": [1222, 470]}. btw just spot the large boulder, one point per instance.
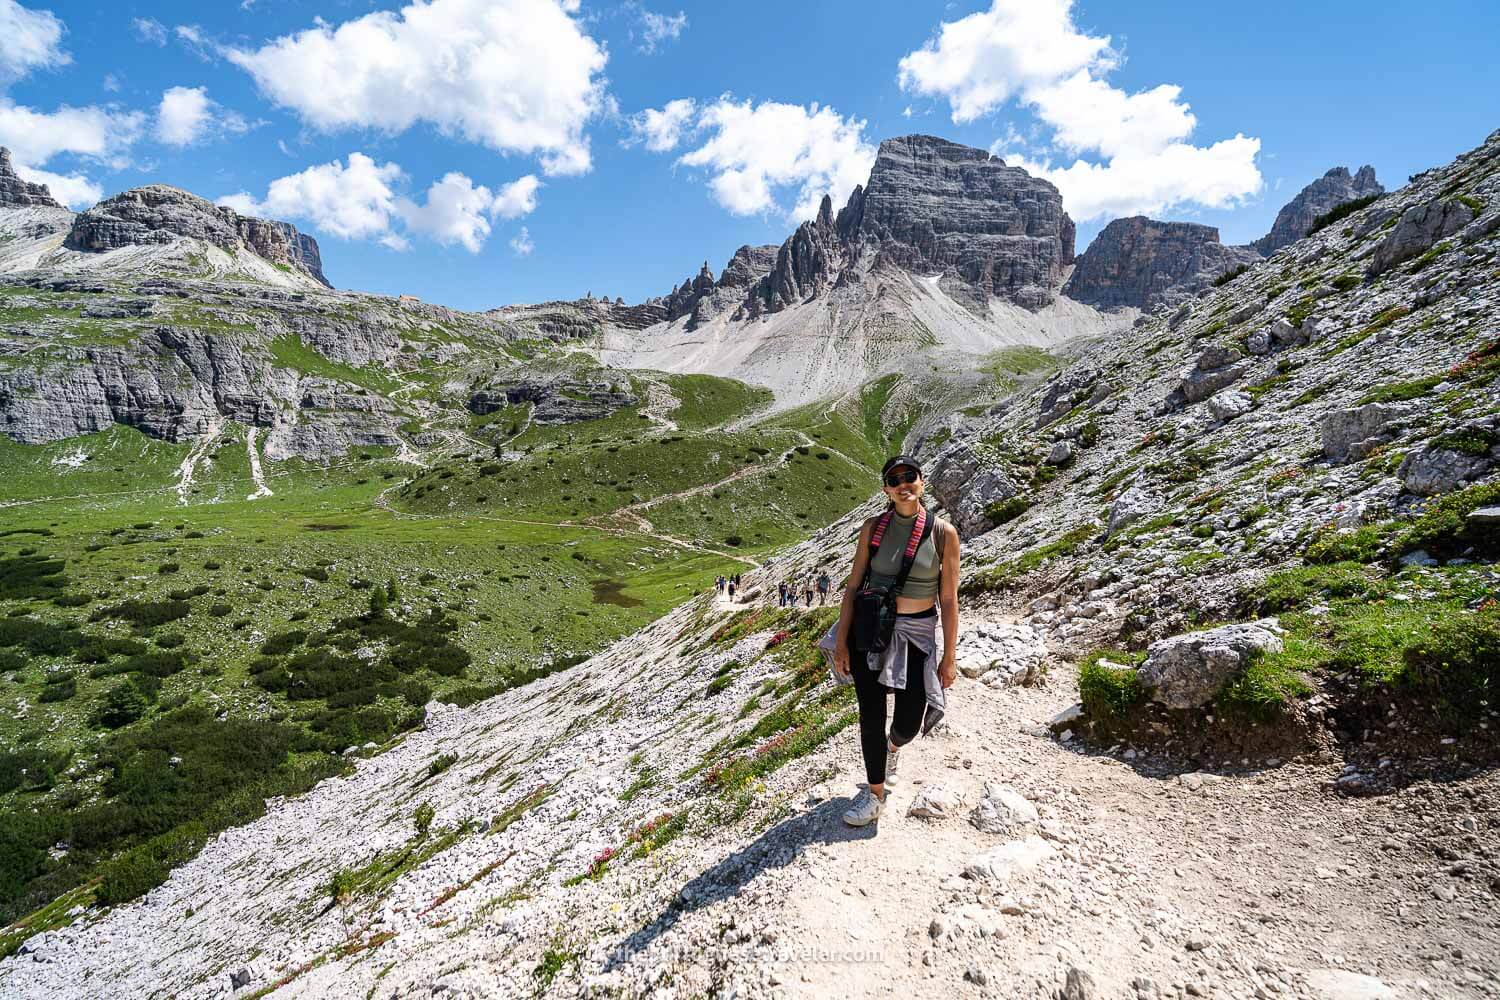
{"type": "Point", "coordinates": [1187, 671]}
{"type": "Point", "coordinates": [1066, 390]}
{"type": "Point", "coordinates": [1201, 383]}
{"type": "Point", "coordinates": [1434, 470]}
{"type": "Point", "coordinates": [1132, 505]}
{"type": "Point", "coordinates": [1418, 229]}
{"type": "Point", "coordinates": [965, 485]}
{"type": "Point", "coordinates": [1003, 810]}
{"type": "Point", "coordinates": [1356, 431]}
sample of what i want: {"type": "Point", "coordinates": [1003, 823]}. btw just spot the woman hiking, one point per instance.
{"type": "Point", "coordinates": [911, 553]}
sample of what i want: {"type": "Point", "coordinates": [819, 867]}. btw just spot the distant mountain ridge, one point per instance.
{"type": "Point", "coordinates": [153, 216]}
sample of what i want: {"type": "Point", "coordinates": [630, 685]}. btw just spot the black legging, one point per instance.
{"type": "Point", "coordinates": [911, 704]}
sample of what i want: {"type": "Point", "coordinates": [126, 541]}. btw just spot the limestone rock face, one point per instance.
{"type": "Point", "coordinates": [16, 193]}
{"type": "Point", "coordinates": [933, 206]}
{"type": "Point", "coordinates": [930, 207]}
{"type": "Point", "coordinates": [158, 214]}
{"type": "Point", "coordinates": [747, 266]}
{"type": "Point", "coordinates": [1320, 197]}
{"type": "Point", "coordinates": [1144, 263]}
{"type": "Point", "coordinates": [807, 263]}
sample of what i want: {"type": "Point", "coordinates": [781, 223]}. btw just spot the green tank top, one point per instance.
{"type": "Point", "coordinates": [926, 568]}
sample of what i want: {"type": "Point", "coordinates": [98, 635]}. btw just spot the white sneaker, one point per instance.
{"type": "Point", "coordinates": [892, 761]}
{"type": "Point", "coordinates": [866, 809]}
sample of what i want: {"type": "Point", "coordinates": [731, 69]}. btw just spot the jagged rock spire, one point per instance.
{"type": "Point", "coordinates": [16, 193]}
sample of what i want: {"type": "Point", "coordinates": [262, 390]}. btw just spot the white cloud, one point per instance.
{"type": "Point", "coordinates": [111, 83]}
{"type": "Point", "coordinates": [455, 212]}
{"type": "Point", "coordinates": [187, 115]}
{"type": "Point", "coordinates": [1219, 176]}
{"type": "Point", "coordinates": [32, 40]}
{"type": "Point", "coordinates": [657, 28]}
{"type": "Point", "coordinates": [521, 243]}
{"type": "Point", "coordinates": [518, 76]}
{"type": "Point", "coordinates": [192, 36]}
{"type": "Point", "coordinates": [73, 189]}
{"type": "Point", "coordinates": [516, 199]}
{"type": "Point", "coordinates": [661, 129]}
{"type": "Point", "coordinates": [183, 116]}
{"type": "Point", "coordinates": [362, 200]}
{"type": "Point", "coordinates": [34, 137]}
{"type": "Point", "coordinates": [149, 29]}
{"type": "Point", "coordinates": [756, 151]}
{"type": "Point", "coordinates": [1032, 52]}
{"type": "Point", "coordinates": [351, 202]}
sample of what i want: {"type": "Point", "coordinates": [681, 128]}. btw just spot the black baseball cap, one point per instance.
{"type": "Point", "coordinates": [906, 460]}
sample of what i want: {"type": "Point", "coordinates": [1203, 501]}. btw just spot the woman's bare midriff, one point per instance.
{"type": "Point", "coordinates": [908, 605]}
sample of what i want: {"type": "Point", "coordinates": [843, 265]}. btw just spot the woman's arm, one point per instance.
{"type": "Point", "coordinates": [856, 576]}
{"type": "Point", "coordinates": [948, 602]}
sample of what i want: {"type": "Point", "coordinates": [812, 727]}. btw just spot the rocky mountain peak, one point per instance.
{"type": "Point", "coordinates": [17, 193]}
{"type": "Point", "coordinates": [1144, 263]}
{"type": "Point", "coordinates": [930, 206]}
{"type": "Point", "coordinates": [936, 206]}
{"type": "Point", "coordinates": [1333, 189]}
{"type": "Point", "coordinates": [159, 213]}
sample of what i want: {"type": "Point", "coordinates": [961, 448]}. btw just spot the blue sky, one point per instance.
{"type": "Point", "coordinates": [482, 152]}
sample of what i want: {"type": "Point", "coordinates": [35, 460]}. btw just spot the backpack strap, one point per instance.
{"type": "Point", "coordinates": [919, 534]}
{"type": "Point", "coordinates": [920, 529]}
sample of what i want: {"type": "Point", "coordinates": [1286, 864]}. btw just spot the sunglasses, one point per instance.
{"type": "Point", "coordinates": [895, 479]}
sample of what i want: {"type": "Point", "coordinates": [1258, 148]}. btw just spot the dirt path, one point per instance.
{"type": "Point", "coordinates": [1261, 884]}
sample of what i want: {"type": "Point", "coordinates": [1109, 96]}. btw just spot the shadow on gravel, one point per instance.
{"type": "Point", "coordinates": [777, 847]}
{"type": "Point", "coordinates": [1354, 769]}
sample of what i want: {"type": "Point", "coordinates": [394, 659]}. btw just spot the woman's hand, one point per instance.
{"type": "Point", "coordinates": [947, 671]}
{"type": "Point", "coordinates": [841, 659]}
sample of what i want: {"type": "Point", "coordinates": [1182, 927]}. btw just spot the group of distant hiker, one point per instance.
{"type": "Point", "coordinates": [728, 584]}
{"type": "Point", "coordinates": [788, 591]}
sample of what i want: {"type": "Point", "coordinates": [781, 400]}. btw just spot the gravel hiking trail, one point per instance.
{"type": "Point", "coordinates": [1160, 884]}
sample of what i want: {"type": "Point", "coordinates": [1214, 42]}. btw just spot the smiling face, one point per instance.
{"type": "Point", "coordinates": [903, 491]}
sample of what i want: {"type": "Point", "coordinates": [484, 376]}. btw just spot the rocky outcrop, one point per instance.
{"type": "Point", "coordinates": [1141, 263]}
{"type": "Point", "coordinates": [16, 193]}
{"type": "Point", "coordinates": [158, 214]}
{"type": "Point", "coordinates": [1418, 229]}
{"type": "Point", "coordinates": [554, 401]}
{"type": "Point", "coordinates": [747, 266]}
{"type": "Point", "coordinates": [967, 486]}
{"type": "Point", "coordinates": [1354, 432]}
{"type": "Point", "coordinates": [1296, 218]}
